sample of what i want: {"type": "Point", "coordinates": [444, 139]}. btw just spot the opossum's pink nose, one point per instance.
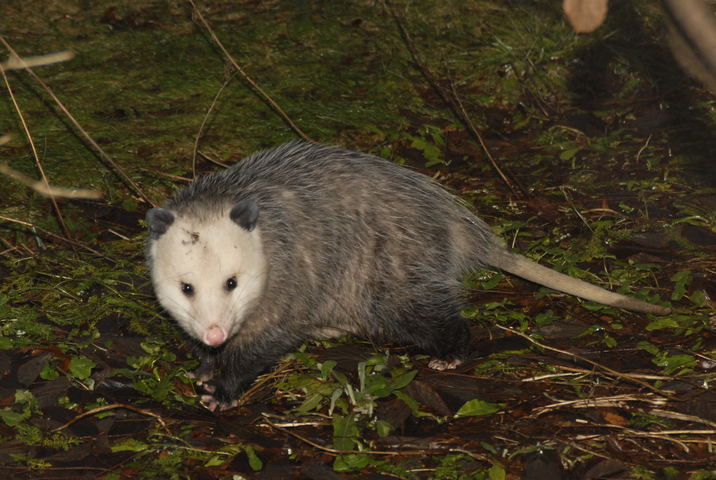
{"type": "Point", "coordinates": [215, 336]}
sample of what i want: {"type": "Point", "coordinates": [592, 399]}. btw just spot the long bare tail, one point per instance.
{"type": "Point", "coordinates": [534, 272]}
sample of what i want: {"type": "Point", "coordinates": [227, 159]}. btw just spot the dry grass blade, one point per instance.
{"type": "Point", "coordinates": [273, 104]}
{"type": "Point", "coordinates": [597, 365]}
{"type": "Point", "coordinates": [112, 407]}
{"type": "Point", "coordinates": [102, 153]}
{"type": "Point", "coordinates": [77, 244]}
{"type": "Point", "coordinates": [45, 183]}
{"type": "Point", "coordinates": [44, 189]}
{"type": "Point", "coordinates": [15, 63]}
{"type": "Point", "coordinates": [198, 135]}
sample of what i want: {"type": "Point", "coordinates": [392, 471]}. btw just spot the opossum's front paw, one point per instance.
{"type": "Point", "coordinates": [216, 398]}
{"type": "Point", "coordinates": [213, 404]}
{"type": "Point", "coordinates": [442, 365]}
{"type": "Point", "coordinates": [200, 377]}
{"type": "Point", "coordinates": [204, 371]}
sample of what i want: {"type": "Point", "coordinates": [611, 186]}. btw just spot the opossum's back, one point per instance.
{"type": "Point", "coordinates": [342, 192]}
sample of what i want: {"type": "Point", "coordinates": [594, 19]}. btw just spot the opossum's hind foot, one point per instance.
{"type": "Point", "coordinates": [442, 365]}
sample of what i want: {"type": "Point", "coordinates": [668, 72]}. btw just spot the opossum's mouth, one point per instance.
{"type": "Point", "coordinates": [215, 336]}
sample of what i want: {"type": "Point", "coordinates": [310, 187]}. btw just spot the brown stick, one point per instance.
{"type": "Point", "coordinates": [273, 104]}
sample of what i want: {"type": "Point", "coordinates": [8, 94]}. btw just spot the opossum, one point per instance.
{"type": "Point", "coordinates": [305, 241]}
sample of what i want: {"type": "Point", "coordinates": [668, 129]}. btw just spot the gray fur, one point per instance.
{"type": "Point", "coordinates": [353, 244]}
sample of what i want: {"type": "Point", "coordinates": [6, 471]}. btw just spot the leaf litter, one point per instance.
{"type": "Point", "coordinates": [605, 148]}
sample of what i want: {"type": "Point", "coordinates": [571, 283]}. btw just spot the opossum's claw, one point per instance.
{"type": "Point", "coordinates": [209, 388]}
{"type": "Point", "coordinates": [212, 403]}
{"type": "Point", "coordinates": [201, 378]}
{"type": "Point", "coordinates": [442, 365]}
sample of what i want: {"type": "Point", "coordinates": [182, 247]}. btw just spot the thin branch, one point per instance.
{"type": "Point", "coordinates": [106, 157]}
{"type": "Point", "coordinates": [43, 188]}
{"type": "Point", "coordinates": [273, 104]}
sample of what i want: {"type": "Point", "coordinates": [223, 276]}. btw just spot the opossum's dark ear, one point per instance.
{"type": "Point", "coordinates": [158, 222]}
{"type": "Point", "coordinates": [245, 214]}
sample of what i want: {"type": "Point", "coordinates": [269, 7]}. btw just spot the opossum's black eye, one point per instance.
{"type": "Point", "coordinates": [231, 283]}
{"type": "Point", "coordinates": [187, 289]}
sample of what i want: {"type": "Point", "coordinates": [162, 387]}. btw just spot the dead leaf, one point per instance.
{"type": "Point", "coordinates": [585, 15]}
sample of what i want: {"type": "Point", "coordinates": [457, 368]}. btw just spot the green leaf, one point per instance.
{"type": "Point", "coordinates": [254, 460]}
{"type": "Point", "coordinates": [496, 473]}
{"type": "Point", "coordinates": [698, 298]}
{"type": "Point", "coordinates": [404, 380]}
{"type": "Point", "coordinates": [11, 418]}
{"type": "Point", "coordinates": [376, 360]}
{"type": "Point", "coordinates": [326, 369]}
{"type": "Point", "coordinates": [660, 323]}
{"type": "Point", "coordinates": [214, 461]}
{"type": "Point", "coordinates": [676, 362]}
{"type": "Point", "coordinates": [544, 319]}
{"type": "Point", "coordinates": [313, 400]}
{"type": "Point", "coordinates": [649, 347]}
{"type": "Point", "coordinates": [344, 431]}
{"type": "Point", "coordinates": [357, 460]}
{"type": "Point", "coordinates": [493, 282]}
{"type": "Point", "coordinates": [383, 428]}
{"type": "Point", "coordinates": [488, 447]}
{"type": "Point", "coordinates": [378, 386]}
{"type": "Point", "coordinates": [340, 465]}
{"type": "Point", "coordinates": [49, 372]}
{"type": "Point", "coordinates": [409, 401]}
{"type": "Point", "coordinates": [682, 280]}
{"type": "Point", "coordinates": [129, 445]}
{"type": "Point", "coordinates": [81, 367]}
{"type": "Point", "coordinates": [477, 407]}
{"type": "Point", "coordinates": [568, 154]}
{"type": "Point", "coordinates": [347, 463]}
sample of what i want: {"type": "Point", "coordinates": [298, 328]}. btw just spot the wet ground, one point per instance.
{"type": "Point", "coordinates": [607, 174]}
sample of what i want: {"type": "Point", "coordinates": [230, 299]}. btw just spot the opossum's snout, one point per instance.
{"type": "Point", "coordinates": [215, 336]}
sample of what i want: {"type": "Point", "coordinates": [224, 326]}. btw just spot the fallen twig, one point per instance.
{"type": "Point", "coordinates": [43, 188]}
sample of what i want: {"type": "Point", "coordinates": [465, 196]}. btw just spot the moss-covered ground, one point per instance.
{"type": "Point", "coordinates": [606, 149]}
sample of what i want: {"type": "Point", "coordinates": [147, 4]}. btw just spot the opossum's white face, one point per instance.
{"type": "Point", "coordinates": [207, 275]}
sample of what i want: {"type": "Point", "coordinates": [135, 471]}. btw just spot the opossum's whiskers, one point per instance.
{"type": "Point", "coordinates": [233, 307]}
